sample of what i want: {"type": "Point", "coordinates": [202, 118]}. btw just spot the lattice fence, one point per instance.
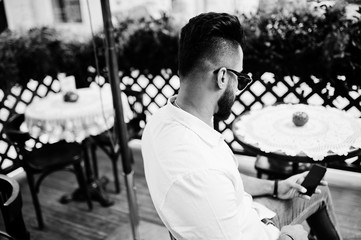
{"type": "Point", "coordinates": [158, 88]}
{"type": "Point", "coordinates": [15, 102]}
{"type": "Point", "coordinates": [262, 92]}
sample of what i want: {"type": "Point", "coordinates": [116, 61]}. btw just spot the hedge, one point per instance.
{"type": "Point", "coordinates": [306, 44]}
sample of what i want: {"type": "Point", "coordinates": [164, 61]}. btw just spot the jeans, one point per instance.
{"type": "Point", "coordinates": [318, 212]}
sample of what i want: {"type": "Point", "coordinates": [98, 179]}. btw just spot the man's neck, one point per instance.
{"type": "Point", "coordinates": [196, 104]}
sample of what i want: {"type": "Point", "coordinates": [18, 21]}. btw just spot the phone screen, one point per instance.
{"type": "Point", "coordinates": [313, 178]}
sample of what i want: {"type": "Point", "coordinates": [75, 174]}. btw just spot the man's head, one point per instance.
{"type": "Point", "coordinates": [205, 36]}
{"type": "Point", "coordinates": [210, 51]}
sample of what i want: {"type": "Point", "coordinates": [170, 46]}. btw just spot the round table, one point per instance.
{"type": "Point", "coordinates": [329, 135]}
{"type": "Point", "coordinates": [51, 119]}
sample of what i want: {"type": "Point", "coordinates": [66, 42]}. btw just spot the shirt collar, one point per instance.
{"type": "Point", "coordinates": [203, 130]}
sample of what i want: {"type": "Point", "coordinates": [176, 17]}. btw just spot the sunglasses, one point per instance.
{"type": "Point", "coordinates": [243, 79]}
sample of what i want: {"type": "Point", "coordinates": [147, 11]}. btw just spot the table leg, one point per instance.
{"type": "Point", "coordinates": [96, 187]}
{"type": "Point", "coordinates": [295, 167]}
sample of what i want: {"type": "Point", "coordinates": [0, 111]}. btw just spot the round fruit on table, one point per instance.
{"type": "Point", "coordinates": [70, 96]}
{"type": "Point", "coordinates": [300, 118]}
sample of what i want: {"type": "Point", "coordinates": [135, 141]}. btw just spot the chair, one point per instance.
{"type": "Point", "coordinates": [11, 205]}
{"type": "Point", "coordinates": [106, 139]}
{"type": "Point", "coordinates": [45, 160]}
{"type": "Point", "coordinates": [5, 236]}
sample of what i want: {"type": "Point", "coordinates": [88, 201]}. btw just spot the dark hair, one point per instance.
{"type": "Point", "coordinates": [201, 35]}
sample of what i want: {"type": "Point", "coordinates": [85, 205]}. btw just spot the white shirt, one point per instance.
{"type": "Point", "coordinates": [194, 182]}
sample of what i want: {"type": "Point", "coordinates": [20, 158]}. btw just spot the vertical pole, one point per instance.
{"type": "Point", "coordinates": [119, 125]}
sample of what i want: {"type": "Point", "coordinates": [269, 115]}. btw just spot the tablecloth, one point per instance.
{"type": "Point", "coordinates": [52, 119]}
{"type": "Point", "coordinates": [328, 130]}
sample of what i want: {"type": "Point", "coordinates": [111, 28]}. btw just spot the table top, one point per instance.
{"type": "Point", "coordinates": [52, 119]}
{"type": "Point", "coordinates": [328, 134]}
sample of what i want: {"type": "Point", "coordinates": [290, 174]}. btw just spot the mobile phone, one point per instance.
{"type": "Point", "coordinates": [313, 178]}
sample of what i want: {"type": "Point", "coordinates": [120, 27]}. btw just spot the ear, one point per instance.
{"type": "Point", "coordinates": [222, 78]}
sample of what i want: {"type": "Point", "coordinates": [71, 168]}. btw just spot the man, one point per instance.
{"type": "Point", "coordinates": [192, 173]}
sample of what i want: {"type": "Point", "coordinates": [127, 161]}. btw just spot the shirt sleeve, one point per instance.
{"type": "Point", "coordinates": [206, 205]}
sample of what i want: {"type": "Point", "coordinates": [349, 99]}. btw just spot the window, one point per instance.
{"type": "Point", "coordinates": [67, 11]}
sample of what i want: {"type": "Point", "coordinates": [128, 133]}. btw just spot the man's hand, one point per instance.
{"type": "Point", "coordinates": [297, 232]}
{"type": "Point", "coordinates": [291, 187]}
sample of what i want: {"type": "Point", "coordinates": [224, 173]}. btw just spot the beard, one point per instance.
{"type": "Point", "coordinates": [225, 104]}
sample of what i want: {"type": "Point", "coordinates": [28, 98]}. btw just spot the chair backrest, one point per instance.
{"type": "Point", "coordinates": [137, 123]}
{"type": "Point", "coordinates": [135, 100]}
{"type": "Point", "coordinates": [14, 134]}
{"type": "Point", "coordinates": [5, 236]}
{"type": "Point", "coordinates": [11, 208]}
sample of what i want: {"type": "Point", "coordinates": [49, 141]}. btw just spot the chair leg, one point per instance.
{"type": "Point", "coordinates": [115, 173]}
{"type": "Point", "coordinates": [82, 184]}
{"type": "Point", "coordinates": [34, 196]}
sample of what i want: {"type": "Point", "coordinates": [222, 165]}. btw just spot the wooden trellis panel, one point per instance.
{"type": "Point", "coordinates": [15, 102]}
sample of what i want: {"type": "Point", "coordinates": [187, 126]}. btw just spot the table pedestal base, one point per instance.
{"type": "Point", "coordinates": [96, 190]}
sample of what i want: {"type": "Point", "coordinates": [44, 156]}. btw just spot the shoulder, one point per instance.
{"type": "Point", "coordinates": [161, 118]}
{"type": "Point", "coordinates": [164, 129]}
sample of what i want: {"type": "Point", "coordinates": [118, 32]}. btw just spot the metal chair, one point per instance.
{"type": "Point", "coordinates": [5, 236]}
{"type": "Point", "coordinates": [11, 209]}
{"type": "Point", "coordinates": [45, 160]}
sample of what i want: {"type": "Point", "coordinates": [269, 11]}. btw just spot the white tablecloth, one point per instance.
{"type": "Point", "coordinates": [328, 130]}
{"type": "Point", "coordinates": [51, 119]}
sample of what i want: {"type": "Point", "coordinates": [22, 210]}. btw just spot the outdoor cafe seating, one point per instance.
{"type": "Point", "coordinates": [45, 160]}
{"type": "Point", "coordinates": [288, 138]}
{"type": "Point", "coordinates": [308, 58]}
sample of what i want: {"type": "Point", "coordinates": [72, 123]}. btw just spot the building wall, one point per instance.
{"type": "Point", "coordinates": [151, 7]}
{"type": "Point", "coordinates": [19, 14]}
{"type": "Point", "coordinates": [25, 14]}
{"type": "Point", "coordinates": [220, 6]}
